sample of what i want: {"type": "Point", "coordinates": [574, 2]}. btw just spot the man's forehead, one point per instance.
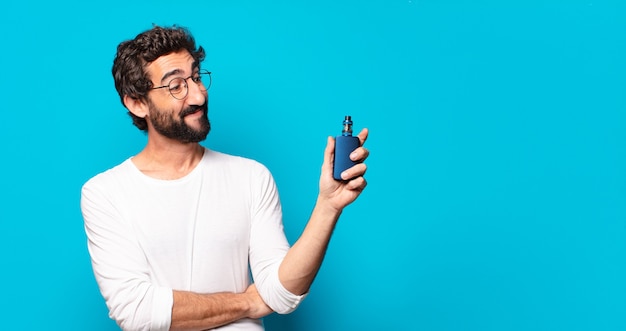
{"type": "Point", "coordinates": [173, 63]}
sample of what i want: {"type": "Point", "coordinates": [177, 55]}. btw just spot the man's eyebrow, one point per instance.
{"type": "Point", "coordinates": [194, 67]}
{"type": "Point", "coordinates": [171, 73]}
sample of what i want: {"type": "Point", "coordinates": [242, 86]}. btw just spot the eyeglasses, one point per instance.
{"type": "Point", "coordinates": [178, 86]}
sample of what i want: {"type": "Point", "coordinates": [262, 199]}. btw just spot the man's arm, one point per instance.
{"type": "Point", "coordinates": [194, 311]}
{"type": "Point", "coordinates": [303, 261]}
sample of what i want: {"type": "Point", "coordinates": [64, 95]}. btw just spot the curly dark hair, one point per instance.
{"type": "Point", "coordinates": [129, 65]}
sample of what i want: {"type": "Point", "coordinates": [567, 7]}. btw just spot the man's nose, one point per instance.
{"type": "Point", "coordinates": [197, 93]}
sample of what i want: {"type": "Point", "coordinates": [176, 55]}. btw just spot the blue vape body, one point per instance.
{"type": "Point", "coordinates": [344, 145]}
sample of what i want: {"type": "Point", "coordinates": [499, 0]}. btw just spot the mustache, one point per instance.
{"type": "Point", "coordinates": [193, 109]}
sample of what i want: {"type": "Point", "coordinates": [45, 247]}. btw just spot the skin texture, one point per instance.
{"type": "Point", "coordinates": [169, 157]}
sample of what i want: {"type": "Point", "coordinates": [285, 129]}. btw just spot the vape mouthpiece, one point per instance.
{"type": "Point", "coordinates": [347, 126]}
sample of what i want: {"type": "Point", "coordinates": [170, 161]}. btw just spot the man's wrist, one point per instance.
{"type": "Point", "coordinates": [324, 208]}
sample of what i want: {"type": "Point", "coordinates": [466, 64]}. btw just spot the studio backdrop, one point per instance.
{"type": "Point", "coordinates": [497, 174]}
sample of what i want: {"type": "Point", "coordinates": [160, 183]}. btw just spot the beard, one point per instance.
{"type": "Point", "coordinates": [174, 127]}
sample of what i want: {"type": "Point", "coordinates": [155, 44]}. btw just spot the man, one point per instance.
{"type": "Point", "coordinates": [173, 231]}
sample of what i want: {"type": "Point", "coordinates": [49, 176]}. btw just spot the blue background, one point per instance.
{"type": "Point", "coordinates": [497, 175]}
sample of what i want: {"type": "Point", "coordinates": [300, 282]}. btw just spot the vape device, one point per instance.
{"type": "Point", "coordinates": [344, 145]}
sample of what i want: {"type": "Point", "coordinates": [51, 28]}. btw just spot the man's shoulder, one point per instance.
{"type": "Point", "coordinates": [241, 168]}
{"type": "Point", "coordinates": [116, 173]}
{"type": "Point", "coordinates": [230, 160]}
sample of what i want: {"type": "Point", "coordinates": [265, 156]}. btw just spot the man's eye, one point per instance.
{"type": "Point", "coordinates": [175, 88]}
{"type": "Point", "coordinates": [197, 78]}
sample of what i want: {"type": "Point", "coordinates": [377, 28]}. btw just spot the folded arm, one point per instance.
{"type": "Point", "coordinates": [194, 311]}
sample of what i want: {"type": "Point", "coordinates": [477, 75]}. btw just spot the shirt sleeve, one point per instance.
{"type": "Point", "coordinates": [268, 245]}
{"type": "Point", "coordinates": [119, 266]}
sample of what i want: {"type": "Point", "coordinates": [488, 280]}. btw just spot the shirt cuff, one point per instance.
{"type": "Point", "coordinates": [287, 301]}
{"type": "Point", "coordinates": [162, 303]}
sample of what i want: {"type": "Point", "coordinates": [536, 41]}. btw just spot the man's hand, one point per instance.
{"type": "Point", "coordinates": [258, 308]}
{"type": "Point", "coordinates": [339, 194]}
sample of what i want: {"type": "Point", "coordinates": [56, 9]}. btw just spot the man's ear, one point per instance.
{"type": "Point", "coordinates": [136, 106]}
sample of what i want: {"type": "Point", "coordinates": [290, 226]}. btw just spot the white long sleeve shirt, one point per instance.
{"type": "Point", "coordinates": [148, 237]}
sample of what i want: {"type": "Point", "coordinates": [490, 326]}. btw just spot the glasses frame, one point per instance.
{"type": "Point", "coordinates": [186, 85]}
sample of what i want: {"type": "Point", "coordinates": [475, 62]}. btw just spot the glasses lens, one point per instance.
{"type": "Point", "coordinates": [178, 88]}
{"type": "Point", "coordinates": [206, 78]}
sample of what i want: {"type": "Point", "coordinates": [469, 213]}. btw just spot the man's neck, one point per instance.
{"type": "Point", "coordinates": [168, 159]}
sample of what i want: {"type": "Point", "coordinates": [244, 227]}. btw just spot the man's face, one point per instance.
{"type": "Point", "coordinates": [185, 120]}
